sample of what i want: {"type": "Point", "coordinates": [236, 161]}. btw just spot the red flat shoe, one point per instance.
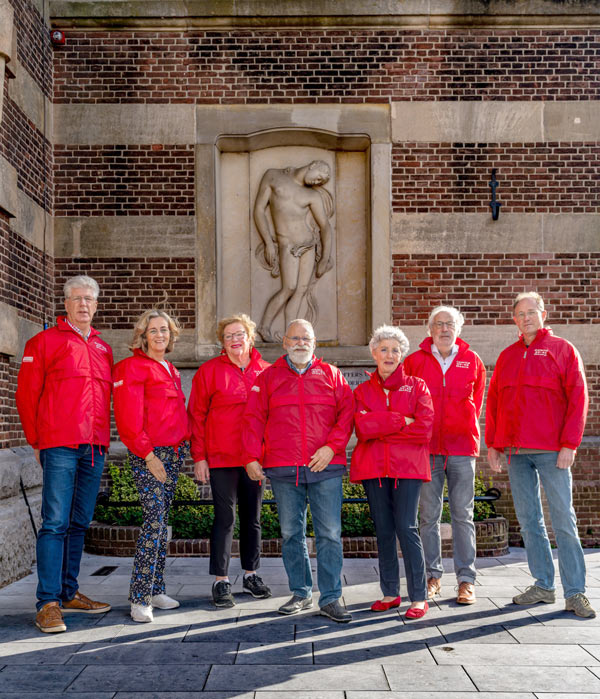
{"type": "Point", "coordinates": [416, 613]}
{"type": "Point", "coordinates": [381, 606]}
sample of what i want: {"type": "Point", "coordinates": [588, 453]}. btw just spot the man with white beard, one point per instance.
{"type": "Point", "coordinates": [297, 423]}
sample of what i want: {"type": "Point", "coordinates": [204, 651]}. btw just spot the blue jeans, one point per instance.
{"type": "Point", "coordinates": [460, 472]}
{"type": "Point", "coordinates": [71, 482]}
{"type": "Point", "coordinates": [393, 504]}
{"type": "Point", "coordinates": [525, 472]}
{"type": "Point", "coordinates": [325, 498]}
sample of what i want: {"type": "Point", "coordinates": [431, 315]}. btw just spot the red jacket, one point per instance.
{"type": "Point", "coordinates": [538, 396]}
{"type": "Point", "coordinates": [149, 404]}
{"type": "Point", "coordinates": [292, 415]}
{"type": "Point", "coordinates": [457, 397]}
{"type": "Point", "coordinates": [63, 393]}
{"type": "Point", "coordinates": [219, 395]}
{"type": "Point", "coordinates": [388, 447]}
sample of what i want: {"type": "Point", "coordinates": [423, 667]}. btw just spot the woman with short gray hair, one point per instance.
{"type": "Point", "coordinates": [393, 419]}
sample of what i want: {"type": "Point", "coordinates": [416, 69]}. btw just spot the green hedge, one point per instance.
{"type": "Point", "coordinates": [195, 522]}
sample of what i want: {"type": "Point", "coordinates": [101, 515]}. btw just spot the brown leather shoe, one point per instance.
{"type": "Point", "coordinates": [466, 593]}
{"type": "Point", "coordinates": [434, 587]}
{"type": "Point", "coordinates": [81, 603]}
{"type": "Point", "coordinates": [50, 619]}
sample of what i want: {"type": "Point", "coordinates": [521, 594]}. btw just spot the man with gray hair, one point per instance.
{"type": "Point", "coordinates": [297, 423]}
{"type": "Point", "coordinates": [536, 410]}
{"type": "Point", "coordinates": [63, 398]}
{"type": "Point", "coordinates": [455, 376]}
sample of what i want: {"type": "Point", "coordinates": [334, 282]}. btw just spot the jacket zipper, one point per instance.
{"type": "Point", "coordinates": [302, 418]}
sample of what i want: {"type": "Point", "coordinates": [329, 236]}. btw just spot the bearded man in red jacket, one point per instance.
{"type": "Point", "coordinates": [63, 398]}
{"type": "Point", "coordinates": [296, 426]}
{"type": "Point", "coordinates": [455, 377]}
{"type": "Point", "coordinates": [536, 410]}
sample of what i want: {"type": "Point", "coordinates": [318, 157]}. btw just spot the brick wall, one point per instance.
{"type": "Point", "coordinates": [129, 286]}
{"type": "Point", "coordinates": [124, 180]}
{"type": "Point", "coordinates": [483, 285]}
{"type": "Point", "coordinates": [34, 50]}
{"type": "Point", "coordinates": [329, 65]}
{"type": "Point", "coordinates": [532, 177]}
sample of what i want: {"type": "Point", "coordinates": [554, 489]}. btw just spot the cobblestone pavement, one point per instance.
{"type": "Point", "coordinates": [492, 650]}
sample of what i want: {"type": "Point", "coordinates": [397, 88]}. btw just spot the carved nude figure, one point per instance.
{"type": "Point", "coordinates": [296, 239]}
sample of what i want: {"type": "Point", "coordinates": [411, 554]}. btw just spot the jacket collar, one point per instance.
{"type": "Point", "coordinates": [255, 356]}
{"type": "Point", "coordinates": [541, 334]}
{"type": "Point", "coordinates": [282, 362]}
{"type": "Point", "coordinates": [392, 382]}
{"type": "Point", "coordinates": [62, 324]}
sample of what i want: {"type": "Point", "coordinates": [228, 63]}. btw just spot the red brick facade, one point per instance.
{"type": "Point", "coordinates": [124, 181]}
{"type": "Point", "coordinates": [532, 177]}
{"type": "Point", "coordinates": [329, 65]}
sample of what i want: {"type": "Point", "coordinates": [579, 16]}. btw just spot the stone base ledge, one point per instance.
{"type": "Point", "coordinates": [115, 540]}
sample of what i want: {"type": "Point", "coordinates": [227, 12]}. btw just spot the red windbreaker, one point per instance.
{"type": "Point", "coordinates": [292, 415]}
{"type": "Point", "coordinates": [63, 393]}
{"type": "Point", "coordinates": [219, 395]}
{"type": "Point", "coordinates": [149, 404]}
{"type": "Point", "coordinates": [538, 396]}
{"type": "Point", "coordinates": [388, 447]}
{"type": "Point", "coordinates": [457, 397]}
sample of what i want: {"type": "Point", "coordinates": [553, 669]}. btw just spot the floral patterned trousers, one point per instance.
{"type": "Point", "coordinates": [147, 577]}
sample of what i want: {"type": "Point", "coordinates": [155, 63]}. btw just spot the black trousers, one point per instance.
{"type": "Point", "coordinates": [393, 506]}
{"type": "Point", "coordinates": [231, 486]}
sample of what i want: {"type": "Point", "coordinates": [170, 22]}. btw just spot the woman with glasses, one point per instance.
{"type": "Point", "coordinates": [393, 421]}
{"type": "Point", "coordinates": [152, 421]}
{"type": "Point", "coordinates": [220, 390]}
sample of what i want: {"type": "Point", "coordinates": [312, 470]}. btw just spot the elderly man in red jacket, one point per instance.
{"type": "Point", "coordinates": [63, 398]}
{"type": "Point", "coordinates": [296, 426]}
{"type": "Point", "coordinates": [536, 409]}
{"type": "Point", "coordinates": [455, 376]}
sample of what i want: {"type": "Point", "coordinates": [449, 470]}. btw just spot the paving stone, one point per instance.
{"type": "Point", "coordinates": [139, 678]}
{"type": "Point", "coordinates": [275, 654]}
{"type": "Point", "coordinates": [367, 628]}
{"type": "Point", "coordinates": [42, 653]}
{"type": "Point", "coordinates": [21, 627]}
{"type": "Point", "coordinates": [158, 653]}
{"type": "Point", "coordinates": [594, 651]}
{"type": "Point", "coordinates": [506, 678]}
{"type": "Point", "coordinates": [482, 633]}
{"type": "Point", "coordinates": [428, 678]}
{"type": "Point", "coordinates": [554, 634]}
{"type": "Point", "coordinates": [296, 677]}
{"type": "Point", "coordinates": [559, 695]}
{"type": "Point", "coordinates": [31, 678]}
{"type": "Point", "coordinates": [140, 633]}
{"type": "Point", "coordinates": [44, 695]}
{"type": "Point", "coordinates": [305, 695]}
{"type": "Point", "coordinates": [264, 632]}
{"type": "Point", "coordinates": [443, 695]}
{"type": "Point", "coordinates": [386, 651]}
{"type": "Point", "coordinates": [184, 695]}
{"type": "Point", "coordinates": [497, 654]}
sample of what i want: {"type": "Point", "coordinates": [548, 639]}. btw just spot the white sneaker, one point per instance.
{"type": "Point", "coordinates": [141, 613]}
{"type": "Point", "coordinates": [163, 601]}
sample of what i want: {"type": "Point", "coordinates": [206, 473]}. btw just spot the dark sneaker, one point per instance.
{"type": "Point", "coordinates": [534, 594]}
{"type": "Point", "coordinates": [296, 604]}
{"type": "Point", "coordinates": [221, 594]}
{"type": "Point", "coordinates": [335, 611]}
{"type": "Point", "coordinates": [580, 605]}
{"type": "Point", "coordinates": [254, 586]}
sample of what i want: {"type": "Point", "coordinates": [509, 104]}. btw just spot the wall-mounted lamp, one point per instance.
{"type": "Point", "coordinates": [494, 205]}
{"type": "Point", "coordinates": [57, 37]}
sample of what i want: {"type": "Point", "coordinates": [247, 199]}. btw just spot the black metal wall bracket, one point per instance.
{"type": "Point", "coordinates": [494, 204]}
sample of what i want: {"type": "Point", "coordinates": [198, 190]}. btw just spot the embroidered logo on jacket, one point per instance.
{"type": "Point", "coordinates": [99, 346]}
{"type": "Point", "coordinates": [27, 359]}
{"type": "Point", "coordinates": [540, 352]}
{"type": "Point", "coordinates": [116, 384]}
{"type": "Point", "coordinates": [406, 388]}
{"type": "Point", "coordinates": [318, 370]}
{"type": "Point", "coordinates": [255, 388]}
{"type": "Point", "coordinates": [463, 365]}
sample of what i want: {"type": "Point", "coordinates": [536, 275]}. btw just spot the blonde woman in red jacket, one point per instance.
{"type": "Point", "coordinates": [394, 421]}
{"type": "Point", "coordinates": [220, 391]}
{"type": "Point", "coordinates": [152, 422]}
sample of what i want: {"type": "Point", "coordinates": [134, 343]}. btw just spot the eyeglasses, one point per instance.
{"type": "Point", "coordinates": [528, 314]}
{"type": "Point", "coordinates": [235, 336]}
{"type": "Point", "coordinates": [439, 324]}
{"type": "Point", "coordinates": [304, 339]}
{"type": "Point", "coordinates": [82, 299]}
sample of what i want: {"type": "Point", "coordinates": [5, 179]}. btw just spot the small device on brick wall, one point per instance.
{"type": "Point", "coordinates": [494, 204]}
{"type": "Point", "coordinates": [57, 37]}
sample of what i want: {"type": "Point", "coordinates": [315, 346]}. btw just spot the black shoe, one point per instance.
{"type": "Point", "coordinates": [254, 586]}
{"type": "Point", "coordinates": [296, 604]}
{"type": "Point", "coordinates": [335, 611]}
{"type": "Point", "coordinates": [221, 594]}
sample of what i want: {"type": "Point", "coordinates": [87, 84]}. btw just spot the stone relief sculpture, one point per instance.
{"type": "Point", "coordinates": [296, 238]}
